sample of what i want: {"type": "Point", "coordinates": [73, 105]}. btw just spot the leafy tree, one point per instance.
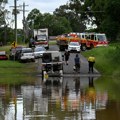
{"type": "Point", "coordinates": [71, 12]}
{"type": "Point", "coordinates": [56, 25]}
{"type": "Point", "coordinates": [104, 14]}
{"type": "Point", "coordinates": [34, 19]}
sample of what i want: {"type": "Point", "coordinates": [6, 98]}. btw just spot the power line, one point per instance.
{"type": "Point", "coordinates": [24, 21]}
{"type": "Point", "coordinates": [15, 12]}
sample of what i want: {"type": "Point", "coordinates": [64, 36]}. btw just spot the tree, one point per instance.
{"type": "Point", "coordinates": [71, 12]}
{"type": "Point", "coordinates": [56, 25]}
{"type": "Point", "coordinates": [34, 19]}
{"type": "Point", "coordinates": [104, 14]}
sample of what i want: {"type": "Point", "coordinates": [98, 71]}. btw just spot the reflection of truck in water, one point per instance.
{"type": "Point", "coordinates": [41, 37]}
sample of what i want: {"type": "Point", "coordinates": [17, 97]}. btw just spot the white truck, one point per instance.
{"type": "Point", "coordinates": [41, 37]}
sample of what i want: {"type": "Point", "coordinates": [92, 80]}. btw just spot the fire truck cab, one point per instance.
{"type": "Point", "coordinates": [91, 40]}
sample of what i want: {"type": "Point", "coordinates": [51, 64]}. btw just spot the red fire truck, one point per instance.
{"type": "Point", "coordinates": [91, 40]}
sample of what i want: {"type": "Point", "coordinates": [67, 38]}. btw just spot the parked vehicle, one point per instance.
{"type": "Point", "coordinates": [14, 52]}
{"type": "Point", "coordinates": [74, 46]}
{"type": "Point", "coordinates": [87, 40]}
{"type": "Point", "coordinates": [92, 40]}
{"type": "Point", "coordinates": [63, 40]}
{"type": "Point", "coordinates": [38, 51]}
{"type": "Point", "coordinates": [52, 64]}
{"type": "Point", "coordinates": [26, 55]}
{"type": "Point", "coordinates": [41, 37]}
{"type": "Point", "coordinates": [3, 55]}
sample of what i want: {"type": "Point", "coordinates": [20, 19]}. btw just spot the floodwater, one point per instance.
{"type": "Point", "coordinates": [75, 98]}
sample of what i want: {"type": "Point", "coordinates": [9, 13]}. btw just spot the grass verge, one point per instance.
{"type": "Point", "coordinates": [13, 72]}
{"type": "Point", "coordinates": [107, 59]}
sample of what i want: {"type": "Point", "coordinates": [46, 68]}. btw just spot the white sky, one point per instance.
{"type": "Point", "coordinates": [42, 5]}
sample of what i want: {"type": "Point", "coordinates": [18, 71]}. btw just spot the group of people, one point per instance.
{"type": "Point", "coordinates": [77, 63]}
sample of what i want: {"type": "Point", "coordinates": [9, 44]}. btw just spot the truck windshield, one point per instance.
{"type": "Point", "coordinates": [41, 37]}
{"type": "Point", "coordinates": [101, 38]}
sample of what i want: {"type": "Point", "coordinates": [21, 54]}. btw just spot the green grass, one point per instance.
{"type": "Point", "coordinates": [13, 72]}
{"type": "Point", "coordinates": [52, 42]}
{"type": "Point", "coordinates": [107, 59]}
{"type": "Point", "coordinates": [108, 64]}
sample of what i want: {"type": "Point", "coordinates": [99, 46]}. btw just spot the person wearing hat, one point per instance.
{"type": "Point", "coordinates": [91, 61]}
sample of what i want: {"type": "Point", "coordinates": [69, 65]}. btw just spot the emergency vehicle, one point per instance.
{"type": "Point", "coordinates": [86, 40]}
{"type": "Point", "coordinates": [63, 40]}
{"type": "Point", "coordinates": [92, 40]}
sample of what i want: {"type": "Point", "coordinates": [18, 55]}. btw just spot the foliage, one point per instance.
{"type": "Point", "coordinates": [71, 13]}
{"type": "Point", "coordinates": [56, 25]}
{"type": "Point", "coordinates": [75, 16]}
{"type": "Point", "coordinates": [10, 70]}
{"type": "Point", "coordinates": [104, 14]}
{"type": "Point", "coordinates": [101, 13]}
{"type": "Point", "coordinates": [107, 59]}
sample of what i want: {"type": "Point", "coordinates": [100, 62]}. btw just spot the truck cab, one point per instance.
{"type": "Point", "coordinates": [41, 37]}
{"type": "Point", "coordinates": [42, 40]}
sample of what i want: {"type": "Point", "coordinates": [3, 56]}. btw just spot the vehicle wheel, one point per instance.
{"type": "Point", "coordinates": [83, 47]}
{"type": "Point", "coordinates": [33, 60]}
{"type": "Point", "coordinates": [91, 46]}
{"type": "Point", "coordinates": [47, 48]}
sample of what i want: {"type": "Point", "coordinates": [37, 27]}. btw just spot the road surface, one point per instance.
{"type": "Point", "coordinates": [68, 69]}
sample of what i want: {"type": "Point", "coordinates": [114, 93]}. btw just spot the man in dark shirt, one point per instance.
{"type": "Point", "coordinates": [66, 54]}
{"type": "Point", "coordinates": [77, 62]}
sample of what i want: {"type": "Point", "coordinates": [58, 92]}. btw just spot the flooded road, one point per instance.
{"type": "Point", "coordinates": [73, 99]}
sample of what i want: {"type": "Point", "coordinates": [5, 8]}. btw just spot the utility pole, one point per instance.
{"type": "Point", "coordinates": [24, 21]}
{"type": "Point", "coordinates": [15, 14]}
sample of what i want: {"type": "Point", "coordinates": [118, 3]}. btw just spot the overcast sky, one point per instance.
{"type": "Point", "coordinates": [43, 5]}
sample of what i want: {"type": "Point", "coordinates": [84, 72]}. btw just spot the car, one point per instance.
{"type": "Point", "coordinates": [3, 55]}
{"type": "Point", "coordinates": [74, 46]}
{"type": "Point", "coordinates": [38, 51]}
{"type": "Point", "coordinates": [14, 52]}
{"type": "Point", "coordinates": [26, 55]}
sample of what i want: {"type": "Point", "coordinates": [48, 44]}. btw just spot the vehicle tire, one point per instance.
{"type": "Point", "coordinates": [33, 60]}
{"type": "Point", "coordinates": [83, 47]}
{"type": "Point", "coordinates": [47, 48]}
{"type": "Point", "coordinates": [91, 46]}
{"type": "Point", "coordinates": [47, 58]}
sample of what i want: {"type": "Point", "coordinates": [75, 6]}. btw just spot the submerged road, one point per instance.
{"type": "Point", "coordinates": [68, 69]}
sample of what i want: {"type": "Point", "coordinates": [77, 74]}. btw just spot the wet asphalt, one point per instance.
{"type": "Point", "coordinates": [68, 69]}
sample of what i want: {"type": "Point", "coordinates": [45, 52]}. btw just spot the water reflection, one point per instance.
{"type": "Point", "coordinates": [72, 99]}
